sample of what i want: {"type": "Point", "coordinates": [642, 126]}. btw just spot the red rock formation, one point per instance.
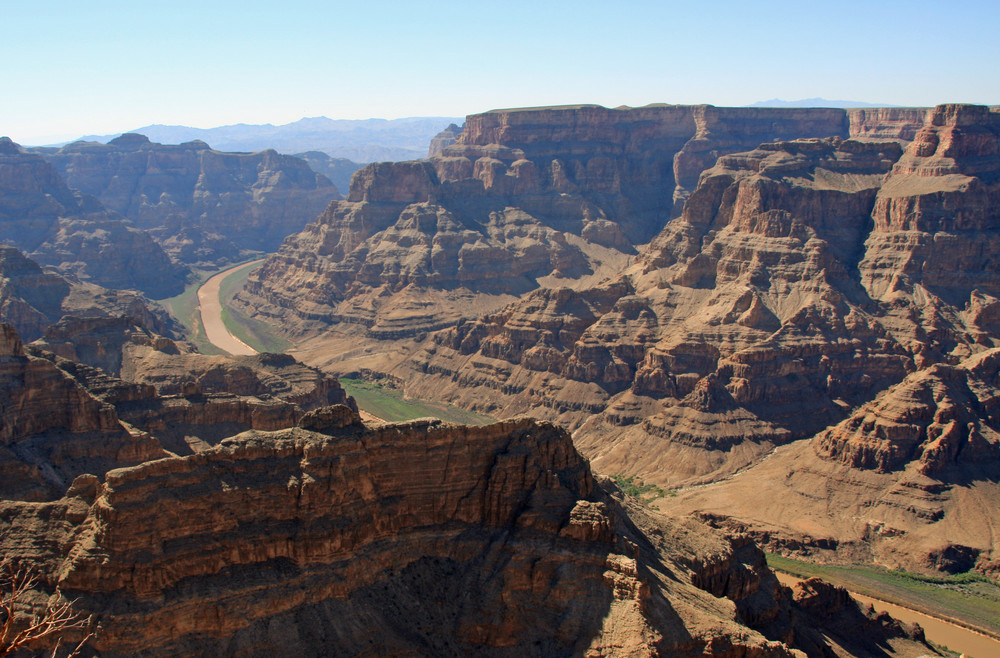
{"type": "Point", "coordinates": [521, 197]}
{"type": "Point", "coordinates": [936, 217]}
{"type": "Point", "coordinates": [941, 417]}
{"type": "Point", "coordinates": [413, 538]}
{"type": "Point", "coordinates": [802, 279]}
{"type": "Point", "coordinates": [53, 429]}
{"type": "Point", "coordinates": [186, 400]}
{"type": "Point", "coordinates": [742, 322]}
{"type": "Point", "coordinates": [883, 123]}
{"type": "Point", "coordinates": [33, 300]}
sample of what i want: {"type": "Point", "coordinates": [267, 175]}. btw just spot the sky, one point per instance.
{"type": "Point", "coordinates": [69, 69]}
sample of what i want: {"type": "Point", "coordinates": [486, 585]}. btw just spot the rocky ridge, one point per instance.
{"type": "Point", "coordinates": [329, 539]}
{"type": "Point", "coordinates": [802, 279]}
{"type": "Point", "coordinates": [446, 137]}
{"type": "Point", "coordinates": [908, 479]}
{"type": "Point", "coordinates": [201, 205]}
{"type": "Point", "coordinates": [186, 399]}
{"type": "Point", "coordinates": [97, 393]}
{"type": "Point", "coordinates": [54, 430]}
{"type": "Point", "coordinates": [542, 197]}
{"type": "Point", "coordinates": [73, 232]}
{"type": "Point", "coordinates": [32, 299]}
{"type": "Point", "coordinates": [338, 170]}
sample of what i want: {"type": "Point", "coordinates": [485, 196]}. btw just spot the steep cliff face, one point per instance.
{"type": "Point", "coordinates": [446, 137]}
{"type": "Point", "coordinates": [417, 538]}
{"type": "Point", "coordinates": [937, 419]}
{"type": "Point", "coordinates": [882, 123]}
{"type": "Point", "coordinates": [32, 300]}
{"type": "Point", "coordinates": [201, 205]}
{"type": "Point", "coordinates": [53, 429]}
{"type": "Point", "coordinates": [522, 199]}
{"type": "Point", "coordinates": [936, 216]}
{"type": "Point", "coordinates": [75, 233]}
{"type": "Point", "coordinates": [802, 280]}
{"type": "Point", "coordinates": [741, 325]}
{"type": "Point", "coordinates": [187, 400]}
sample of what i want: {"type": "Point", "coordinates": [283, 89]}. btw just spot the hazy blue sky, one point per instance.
{"type": "Point", "coordinates": [72, 68]}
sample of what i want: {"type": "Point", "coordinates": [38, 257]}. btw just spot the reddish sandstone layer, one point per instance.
{"type": "Point", "coordinates": [415, 538]}
{"type": "Point", "coordinates": [522, 198]}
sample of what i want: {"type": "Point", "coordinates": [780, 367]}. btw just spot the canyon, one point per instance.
{"type": "Point", "coordinates": [784, 319]}
{"type": "Point", "coordinates": [203, 206]}
{"type": "Point", "coordinates": [689, 289]}
{"type": "Point", "coordinates": [72, 231]}
{"type": "Point", "coordinates": [326, 535]}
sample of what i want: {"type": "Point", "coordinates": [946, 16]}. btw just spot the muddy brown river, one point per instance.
{"type": "Point", "coordinates": [939, 631]}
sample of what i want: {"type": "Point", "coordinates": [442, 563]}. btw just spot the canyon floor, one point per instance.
{"type": "Point", "coordinates": [969, 635]}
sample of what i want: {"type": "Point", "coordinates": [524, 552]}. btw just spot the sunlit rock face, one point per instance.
{"type": "Point", "coordinates": [203, 206]}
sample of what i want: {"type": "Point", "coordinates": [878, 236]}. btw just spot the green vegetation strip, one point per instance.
{"type": "Point", "coordinates": [969, 599]}
{"type": "Point", "coordinates": [390, 405]}
{"type": "Point", "coordinates": [636, 488]}
{"type": "Point", "coordinates": [257, 334]}
{"type": "Point", "coordinates": [184, 309]}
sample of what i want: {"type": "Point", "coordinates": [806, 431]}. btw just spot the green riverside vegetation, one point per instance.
{"type": "Point", "coordinates": [636, 488]}
{"type": "Point", "coordinates": [258, 335]}
{"type": "Point", "coordinates": [970, 599]}
{"type": "Point", "coordinates": [184, 308]}
{"type": "Point", "coordinates": [390, 405]}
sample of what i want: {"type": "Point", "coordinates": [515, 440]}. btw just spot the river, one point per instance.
{"type": "Point", "coordinates": [955, 637]}
{"type": "Point", "coordinates": [211, 314]}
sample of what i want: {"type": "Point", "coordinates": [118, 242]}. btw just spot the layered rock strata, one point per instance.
{"type": "Point", "coordinates": [523, 198]}
{"type": "Point", "coordinates": [203, 206]}
{"type": "Point", "coordinates": [187, 400]}
{"type": "Point", "coordinates": [418, 538]}
{"type": "Point", "coordinates": [446, 137]}
{"type": "Point", "coordinates": [802, 279]}
{"type": "Point", "coordinates": [32, 299]}
{"type": "Point", "coordinates": [692, 346]}
{"type": "Point", "coordinates": [907, 480]}
{"type": "Point", "coordinates": [125, 348]}
{"type": "Point", "coordinates": [53, 429]}
{"type": "Point", "coordinates": [73, 232]}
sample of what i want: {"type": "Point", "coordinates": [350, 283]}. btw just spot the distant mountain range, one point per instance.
{"type": "Point", "coordinates": [817, 102]}
{"type": "Point", "coordinates": [362, 140]}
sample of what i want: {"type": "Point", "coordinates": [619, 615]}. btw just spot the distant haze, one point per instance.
{"type": "Point", "coordinates": [97, 67]}
{"type": "Point", "coordinates": [359, 140]}
{"type": "Point", "coordinates": [817, 102]}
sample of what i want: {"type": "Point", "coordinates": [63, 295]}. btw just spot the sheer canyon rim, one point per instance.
{"type": "Point", "coordinates": [785, 316]}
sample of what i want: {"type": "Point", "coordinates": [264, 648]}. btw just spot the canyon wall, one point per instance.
{"type": "Point", "coordinates": [32, 299]}
{"type": "Point", "coordinates": [801, 280]}
{"type": "Point", "coordinates": [201, 205]}
{"type": "Point", "coordinates": [417, 538]}
{"type": "Point", "coordinates": [73, 232]}
{"type": "Point", "coordinates": [521, 199]}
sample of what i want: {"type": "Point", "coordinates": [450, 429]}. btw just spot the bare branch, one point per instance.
{"type": "Point", "coordinates": [22, 623]}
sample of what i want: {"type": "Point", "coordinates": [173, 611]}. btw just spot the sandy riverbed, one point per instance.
{"type": "Point", "coordinates": [211, 315]}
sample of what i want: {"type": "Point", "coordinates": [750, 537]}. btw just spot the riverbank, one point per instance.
{"type": "Point", "coordinates": [211, 313]}
{"type": "Point", "coordinates": [938, 631]}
